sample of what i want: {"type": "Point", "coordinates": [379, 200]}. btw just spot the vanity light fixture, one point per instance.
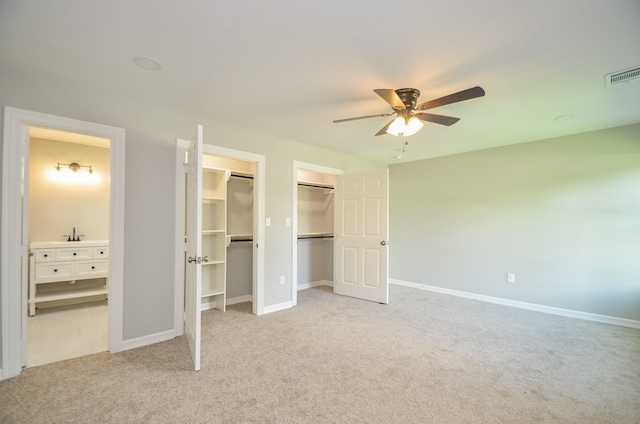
{"type": "Point", "coordinates": [74, 166]}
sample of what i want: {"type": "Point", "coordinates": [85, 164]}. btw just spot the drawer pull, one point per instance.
{"type": "Point", "coordinates": [74, 253]}
{"type": "Point", "coordinates": [45, 255]}
{"type": "Point", "coordinates": [55, 270]}
{"type": "Point", "coordinates": [93, 267]}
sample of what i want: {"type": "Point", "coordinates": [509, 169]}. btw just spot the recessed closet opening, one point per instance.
{"type": "Point", "coordinates": [314, 224]}
{"type": "Point", "coordinates": [68, 220]}
{"type": "Point", "coordinates": [228, 236]}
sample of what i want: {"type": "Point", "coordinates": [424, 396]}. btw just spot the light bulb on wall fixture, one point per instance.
{"type": "Point", "coordinates": [71, 173]}
{"type": "Point", "coordinates": [74, 166]}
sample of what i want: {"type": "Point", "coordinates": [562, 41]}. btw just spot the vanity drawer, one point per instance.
{"type": "Point", "coordinates": [45, 255]}
{"type": "Point", "coordinates": [57, 271]}
{"type": "Point", "coordinates": [88, 269]}
{"type": "Point", "coordinates": [74, 253]}
{"type": "Point", "coordinates": [100, 252]}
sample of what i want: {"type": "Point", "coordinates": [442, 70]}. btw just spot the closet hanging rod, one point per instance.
{"type": "Point", "coordinates": [316, 186]}
{"type": "Point", "coordinates": [246, 177]}
{"type": "Point", "coordinates": [239, 237]}
{"type": "Point", "coordinates": [319, 236]}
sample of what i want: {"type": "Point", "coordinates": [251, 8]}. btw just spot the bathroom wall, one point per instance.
{"type": "Point", "coordinates": [61, 200]}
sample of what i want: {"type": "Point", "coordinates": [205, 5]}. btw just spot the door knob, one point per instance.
{"type": "Point", "coordinates": [198, 259]}
{"type": "Point", "coordinates": [383, 243]}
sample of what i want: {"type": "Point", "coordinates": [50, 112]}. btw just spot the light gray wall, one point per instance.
{"type": "Point", "coordinates": [315, 260]}
{"type": "Point", "coordinates": [151, 132]}
{"type": "Point", "coordinates": [562, 214]}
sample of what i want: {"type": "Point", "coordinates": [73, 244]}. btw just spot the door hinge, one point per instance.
{"type": "Point", "coordinates": [184, 316]}
{"type": "Point", "coordinates": [185, 246]}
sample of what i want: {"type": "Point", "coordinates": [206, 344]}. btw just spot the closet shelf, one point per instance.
{"type": "Point", "coordinates": [212, 199]}
{"type": "Point", "coordinates": [205, 232]}
{"type": "Point", "coordinates": [211, 292]}
{"type": "Point", "coordinates": [70, 294]}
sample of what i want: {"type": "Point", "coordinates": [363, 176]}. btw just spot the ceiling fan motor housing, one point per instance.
{"type": "Point", "coordinates": [409, 96]}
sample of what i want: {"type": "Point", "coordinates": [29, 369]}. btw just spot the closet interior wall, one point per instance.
{"type": "Point", "coordinates": [315, 229]}
{"type": "Point", "coordinates": [240, 227]}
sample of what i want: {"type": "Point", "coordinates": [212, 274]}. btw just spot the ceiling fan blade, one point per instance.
{"type": "Point", "coordinates": [470, 93]}
{"type": "Point", "coordinates": [437, 119]}
{"type": "Point", "coordinates": [360, 117]}
{"type": "Point", "coordinates": [391, 97]}
{"type": "Point", "coordinates": [384, 129]}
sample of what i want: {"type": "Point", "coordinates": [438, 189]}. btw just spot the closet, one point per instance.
{"type": "Point", "coordinates": [227, 232]}
{"type": "Point", "coordinates": [315, 213]}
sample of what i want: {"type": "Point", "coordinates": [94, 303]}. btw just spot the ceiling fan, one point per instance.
{"type": "Point", "coordinates": [403, 101]}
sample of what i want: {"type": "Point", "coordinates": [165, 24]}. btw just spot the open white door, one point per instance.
{"type": "Point", "coordinates": [193, 271]}
{"type": "Point", "coordinates": [361, 236]}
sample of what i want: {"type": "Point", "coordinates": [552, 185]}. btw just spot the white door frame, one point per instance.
{"type": "Point", "coordinates": [297, 165]}
{"type": "Point", "coordinates": [258, 223]}
{"type": "Point", "coordinates": [14, 307]}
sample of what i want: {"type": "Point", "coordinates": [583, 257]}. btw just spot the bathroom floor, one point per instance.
{"type": "Point", "coordinates": [65, 332]}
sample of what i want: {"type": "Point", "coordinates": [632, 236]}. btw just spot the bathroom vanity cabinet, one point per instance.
{"type": "Point", "coordinates": [67, 270]}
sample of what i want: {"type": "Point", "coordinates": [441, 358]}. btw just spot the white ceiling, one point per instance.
{"type": "Point", "coordinates": [287, 68]}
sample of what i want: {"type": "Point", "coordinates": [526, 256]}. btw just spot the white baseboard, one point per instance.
{"type": "Point", "coordinates": [524, 305]}
{"type": "Point", "coordinates": [148, 340]}
{"type": "Point", "coordinates": [205, 306]}
{"type": "Point", "coordinates": [240, 299]}
{"type": "Point", "coordinates": [315, 284]}
{"type": "Point", "coordinates": [277, 307]}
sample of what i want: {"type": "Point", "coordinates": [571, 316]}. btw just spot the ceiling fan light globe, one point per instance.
{"type": "Point", "coordinates": [397, 127]}
{"type": "Point", "coordinates": [413, 126]}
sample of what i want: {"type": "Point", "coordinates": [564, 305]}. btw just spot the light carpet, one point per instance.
{"type": "Point", "coordinates": [424, 358]}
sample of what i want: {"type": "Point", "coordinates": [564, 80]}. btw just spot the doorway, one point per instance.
{"type": "Point", "coordinates": [244, 163]}
{"type": "Point", "coordinates": [15, 229]}
{"type": "Point", "coordinates": [68, 215]}
{"type": "Point", "coordinates": [312, 235]}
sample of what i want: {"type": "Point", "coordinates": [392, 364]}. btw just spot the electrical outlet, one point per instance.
{"type": "Point", "coordinates": [511, 278]}
{"type": "Point", "coordinates": [282, 280]}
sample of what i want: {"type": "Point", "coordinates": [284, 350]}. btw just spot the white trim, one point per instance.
{"type": "Point", "coordinates": [297, 165]}
{"type": "Point", "coordinates": [312, 284]}
{"type": "Point", "coordinates": [14, 311]}
{"type": "Point", "coordinates": [178, 308]}
{"type": "Point", "coordinates": [240, 299]}
{"type": "Point", "coordinates": [258, 218]}
{"type": "Point", "coordinates": [211, 304]}
{"type": "Point", "coordinates": [150, 339]}
{"type": "Point", "coordinates": [524, 305]}
{"type": "Point", "coordinates": [278, 307]}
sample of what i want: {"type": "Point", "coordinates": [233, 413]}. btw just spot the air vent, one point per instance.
{"type": "Point", "coordinates": [622, 76]}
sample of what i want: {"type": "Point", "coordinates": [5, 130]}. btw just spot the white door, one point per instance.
{"type": "Point", "coordinates": [361, 236]}
{"type": "Point", "coordinates": [193, 271]}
